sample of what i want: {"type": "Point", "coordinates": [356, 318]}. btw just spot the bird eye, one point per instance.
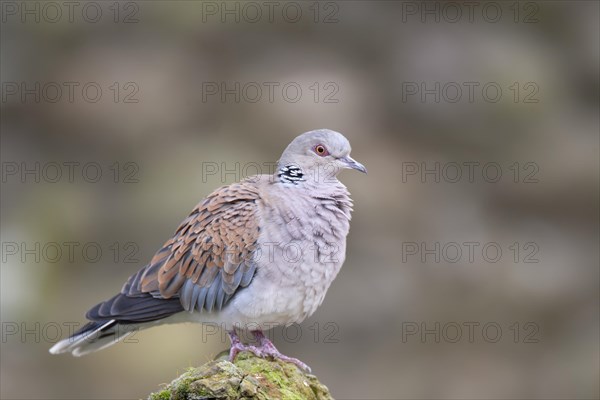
{"type": "Point", "coordinates": [321, 150]}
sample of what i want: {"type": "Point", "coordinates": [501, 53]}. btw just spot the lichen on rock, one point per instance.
{"type": "Point", "coordinates": [249, 377]}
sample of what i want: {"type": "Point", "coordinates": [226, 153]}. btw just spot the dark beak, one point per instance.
{"type": "Point", "coordinates": [349, 162]}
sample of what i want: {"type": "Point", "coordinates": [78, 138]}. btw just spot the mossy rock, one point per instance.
{"type": "Point", "coordinates": [250, 377]}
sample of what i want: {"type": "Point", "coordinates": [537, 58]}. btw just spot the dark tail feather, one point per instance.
{"type": "Point", "coordinates": [92, 337]}
{"type": "Point", "coordinates": [115, 319]}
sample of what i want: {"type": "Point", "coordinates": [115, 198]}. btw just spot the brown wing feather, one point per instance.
{"type": "Point", "coordinates": [213, 245]}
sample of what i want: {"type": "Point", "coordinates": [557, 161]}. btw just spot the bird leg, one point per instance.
{"type": "Point", "coordinates": [237, 346]}
{"type": "Point", "coordinates": [265, 349]}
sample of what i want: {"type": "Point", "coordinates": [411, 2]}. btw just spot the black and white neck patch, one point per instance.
{"type": "Point", "coordinates": [290, 174]}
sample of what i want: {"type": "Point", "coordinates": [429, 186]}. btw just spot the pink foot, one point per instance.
{"type": "Point", "coordinates": [264, 350]}
{"type": "Point", "coordinates": [268, 349]}
{"type": "Point", "coordinates": [237, 347]}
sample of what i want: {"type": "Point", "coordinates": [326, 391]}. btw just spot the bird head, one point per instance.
{"type": "Point", "coordinates": [320, 155]}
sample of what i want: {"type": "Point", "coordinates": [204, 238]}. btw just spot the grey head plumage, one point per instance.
{"type": "Point", "coordinates": [319, 154]}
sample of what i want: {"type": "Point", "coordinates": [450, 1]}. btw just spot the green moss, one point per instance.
{"type": "Point", "coordinates": [249, 377]}
{"type": "Point", "coordinates": [162, 395]}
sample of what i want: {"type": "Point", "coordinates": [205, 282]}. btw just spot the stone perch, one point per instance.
{"type": "Point", "coordinates": [249, 377]}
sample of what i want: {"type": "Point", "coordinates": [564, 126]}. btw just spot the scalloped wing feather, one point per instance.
{"type": "Point", "coordinates": [209, 257]}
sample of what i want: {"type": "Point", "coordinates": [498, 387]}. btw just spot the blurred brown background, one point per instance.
{"type": "Point", "coordinates": [169, 109]}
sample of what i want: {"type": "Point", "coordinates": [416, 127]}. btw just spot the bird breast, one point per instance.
{"type": "Point", "coordinates": [301, 250]}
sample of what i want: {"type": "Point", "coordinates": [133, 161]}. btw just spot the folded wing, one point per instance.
{"type": "Point", "coordinates": [208, 260]}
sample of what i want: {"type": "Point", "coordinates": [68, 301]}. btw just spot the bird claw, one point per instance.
{"type": "Point", "coordinates": [237, 348]}
{"type": "Point", "coordinates": [291, 360]}
{"type": "Point", "coordinates": [268, 349]}
{"type": "Point", "coordinates": [265, 350]}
